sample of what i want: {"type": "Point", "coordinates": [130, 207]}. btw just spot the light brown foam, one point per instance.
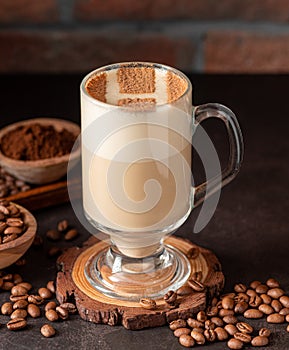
{"type": "Point", "coordinates": [136, 80]}
{"type": "Point", "coordinates": [176, 86]}
{"type": "Point", "coordinates": [96, 86]}
{"type": "Point", "coordinates": [139, 103]}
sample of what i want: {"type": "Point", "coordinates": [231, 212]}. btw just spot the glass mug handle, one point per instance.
{"type": "Point", "coordinates": [215, 110]}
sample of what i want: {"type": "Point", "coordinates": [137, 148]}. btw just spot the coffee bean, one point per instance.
{"type": "Point", "coordinates": [244, 327]}
{"type": "Point", "coordinates": [210, 335]}
{"type": "Point", "coordinates": [217, 321]}
{"type": "Point", "coordinates": [272, 283]}
{"type": "Point", "coordinates": [266, 299]}
{"type": "Point", "coordinates": [275, 318]}
{"type": "Point", "coordinates": [20, 304]}
{"type": "Point", "coordinates": [62, 225]}
{"type": "Point", "coordinates": [231, 329]}
{"type": "Point", "coordinates": [7, 308]}
{"type": "Point", "coordinates": [62, 313]}
{"type": "Point", "coordinates": [184, 290]}
{"type": "Point", "coordinates": [230, 319]}
{"type": "Point", "coordinates": [180, 331]}
{"type": "Point", "coordinates": [25, 285]}
{"type": "Point", "coordinates": [179, 323]}
{"type": "Point", "coordinates": [221, 334]}
{"type": "Point", "coordinates": [198, 329]}
{"type": "Point", "coordinates": [18, 313]}
{"type": "Point", "coordinates": [7, 285]}
{"type": "Point", "coordinates": [284, 300]}
{"type": "Point", "coordinates": [229, 295]}
{"type": "Point", "coordinates": [17, 278]}
{"type": "Point", "coordinates": [214, 301]}
{"type": "Point", "coordinates": [170, 297]}
{"type": "Point", "coordinates": [9, 238]}
{"type": "Point", "coordinates": [50, 305]}
{"type": "Point", "coordinates": [186, 340]}
{"type": "Point", "coordinates": [12, 230]}
{"type": "Point", "coordinates": [4, 210]}
{"type": "Point", "coordinates": [261, 289]}
{"type": "Point", "coordinates": [240, 297]}
{"type": "Point", "coordinates": [18, 290]}
{"type": "Point", "coordinates": [14, 222]}
{"type": "Point", "coordinates": [260, 341]}
{"type": "Point", "coordinates": [51, 315]}
{"type": "Point", "coordinates": [244, 337]}
{"type": "Point", "coordinates": [241, 307]}
{"type": "Point", "coordinates": [194, 323]}
{"type": "Point", "coordinates": [212, 311]}
{"type": "Point", "coordinates": [33, 310]}
{"type": "Point", "coordinates": [47, 331]}
{"type": "Point", "coordinates": [209, 324]}
{"type": "Point", "coordinates": [15, 298]}
{"type": "Point", "coordinates": [148, 303]}
{"type": "Point", "coordinates": [197, 276]}
{"type": "Point", "coordinates": [284, 311]}
{"type": "Point", "coordinates": [276, 305]}
{"type": "Point", "coordinates": [45, 293]}
{"type": "Point", "coordinates": [50, 286]}
{"type": "Point", "coordinates": [266, 309]}
{"type": "Point", "coordinates": [198, 337]}
{"type": "Point", "coordinates": [287, 318]}
{"type": "Point", "coordinates": [275, 293]}
{"type": "Point", "coordinates": [255, 301]}
{"type": "Point", "coordinates": [224, 312]}
{"type": "Point", "coordinates": [35, 299]}
{"type": "Point", "coordinates": [264, 332]}
{"type": "Point", "coordinates": [71, 234]}
{"type": "Point", "coordinates": [228, 303]}
{"type": "Point", "coordinates": [235, 344]}
{"type": "Point", "coordinates": [16, 324]}
{"type": "Point", "coordinates": [53, 235]}
{"type": "Point", "coordinates": [251, 292]}
{"type": "Point", "coordinates": [201, 316]}
{"type": "Point", "coordinates": [240, 288]}
{"type": "Point", "coordinates": [253, 313]}
{"type": "Point", "coordinates": [196, 285]}
{"type": "Point", "coordinates": [71, 308]}
{"type": "Point", "coordinates": [193, 253]}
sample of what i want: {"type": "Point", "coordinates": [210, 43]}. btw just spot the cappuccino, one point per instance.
{"type": "Point", "coordinates": [136, 155]}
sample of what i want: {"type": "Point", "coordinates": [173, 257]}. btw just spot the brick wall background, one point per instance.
{"type": "Point", "coordinates": [225, 36]}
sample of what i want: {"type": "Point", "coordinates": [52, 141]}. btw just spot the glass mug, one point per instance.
{"type": "Point", "coordinates": [137, 123]}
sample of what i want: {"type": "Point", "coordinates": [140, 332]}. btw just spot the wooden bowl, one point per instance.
{"type": "Point", "coordinates": [45, 170]}
{"type": "Point", "coordinates": [10, 252]}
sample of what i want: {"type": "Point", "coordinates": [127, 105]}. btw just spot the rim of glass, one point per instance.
{"type": "Point", "coordinates": [131, 64]}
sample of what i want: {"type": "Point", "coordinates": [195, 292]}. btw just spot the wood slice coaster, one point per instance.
{"type": "Point", "coordinates": [93, 306]}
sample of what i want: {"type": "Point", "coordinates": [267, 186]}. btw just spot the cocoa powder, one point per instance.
{"type": "Point", "coordinates": [36, 141]}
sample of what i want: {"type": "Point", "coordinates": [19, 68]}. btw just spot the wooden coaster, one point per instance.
{"type": "Point", "coordinates": [95, 307]}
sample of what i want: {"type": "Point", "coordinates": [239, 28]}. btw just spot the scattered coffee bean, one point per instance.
{"type": "Point", "coordinates": [35, 299]}
{"type": "Point", "coordinates": [180, 331]}
{"type": "Point", "coordinates": [170, 297]}
{"type": "Point", "coordinates": [62, 313]}
{"type": "Point", "coordinates": [212, 311]}
{"type": "Point", "coordinates": [253, 313]}
{"type": "Point", "coordinates": [15, 298]}
{"type": "Point", "coordinates": [18, 290]}
{"type": "Point", "coordinates": [255, 284]}
{"type": "Point", "coordinates": [7, 285]}
{"type": "Point", "coordinates": [242, 297]}
{"type": "Point", "coordinates": [255, 301]}
{"type": "Point", "coordinates": [264, 332]}
{"type": "Point", "coordinates": [260, 341]}
{"type": "Point", "coordinates": [209, 324]}
{"type": "Point", "coordinates": [184, 290]}
{"type": "Point", "coordinates": [47, 331]}
{"type": "Point", "coordinates": [45, 293]}
{"type": "Point", "coordinates": [284, 300]}
{"type": "Point", "coordinates": [71, 308]}
{"type": "Point", "coordinates": [240, 288]}
{"type": "Point", "coordinates": [251, 292]}
{"type": "Point", "coordinates": [284, 311]}
{"type": "Point", "coordinates": [275, 318]}
{"type": "Point", "coordinates": [230, 319]}
{"type": "Point", "coordinates": [261, 289]}
{"type": "Point", "coordinates": [62, 225]}
{"type": "Point", "coordinates": [179, 323]}
{"type": "Point", "coordinates": [17, 278]}
{"type": "Point", "coordinates": [224, 312]}
{"type": "Point", "coordinates": [244, 337]}
{"type": "Point", "coordinates": [244, 327]}
{"type": "Point", "coordinates": [275, 293]}
{"type": "Point", "coordinates": [266, 299]}
{"type": "Point", "coordinates": [272, 283]}
{"type": "Point", "coordinates": [194, 323]}
{"type": "Point", "coordinates": [217, 321]}
{"type": "Point", "coordinates": [7, 308]}
{"type": "Point", "coordinates": [51, 315]}
{"type": "Point", "coordinates": [228, 303]}
{"type": "Point", "coordinates": [53, 235]}
{"type": "Point", "coordinates": [198, 337]}
{"type": "Point", "coordinates": [241, 307]}
{"type": "Point", "coordinates": [20, 304]}
{"type": "Point", "coordinates": [198, 329]}
{"type": "Point", "coordinates": [71, 234]}
{"type": "Point", "coordinates": [186, 340]}
{"type": "Point", "coordinates": [210, 335]}
{"type": "Point", "coordinates": [50, 305]}
{"type": "Point", "coordinates": [266, 309]}
{"type": "Point", "coordinates": [25, 285]}
{"type": "Point", "coordinates": [230, 329]}
{"type": "Point", "coordinates": [18, 313]}
{"type": "Point", "coordinates": [201, 316]}
{"type": "Point", "coordinates": [221, 334]}
{"type": "Point", "coordinates": [235, 344]}
{"type": "Point", "coordinates": [148, 303]}
{"type": "Point", "coordinates": [196, 285]}
{"type": "Point", "coordinates": [276, 305]}
{"type": "Point", "coordinates": [16, 324]}
{"type": "Point", "coordinates": [50, 286]}
{"type": "Point", "coordinates": [33, 310]}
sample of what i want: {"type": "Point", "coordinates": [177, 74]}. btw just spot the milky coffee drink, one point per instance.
{"type": "Point", "coordinates": [136, 154]}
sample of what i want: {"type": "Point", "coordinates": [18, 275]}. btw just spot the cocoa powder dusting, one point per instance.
{"type": "Point", "coordinates": [36, 141]}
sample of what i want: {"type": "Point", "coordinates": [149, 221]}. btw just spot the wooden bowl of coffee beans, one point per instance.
{"type": "Point", "coordinates": [39, 150]}
{"type": "Point", "coordinates": [17, 232]}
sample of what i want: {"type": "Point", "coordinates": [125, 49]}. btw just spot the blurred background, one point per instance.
{"type": "Point", "coordinates": [198, 36]}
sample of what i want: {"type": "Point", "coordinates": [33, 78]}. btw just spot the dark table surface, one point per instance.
{"type": "Point", "coordinates": [249, 231]}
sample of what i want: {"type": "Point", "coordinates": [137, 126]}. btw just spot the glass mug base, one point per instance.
{"type": "Point", "coordinates": [126, 278]}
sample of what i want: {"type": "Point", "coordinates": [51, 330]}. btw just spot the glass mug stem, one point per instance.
{"type": "Point", "coordinates": [137, 126]}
